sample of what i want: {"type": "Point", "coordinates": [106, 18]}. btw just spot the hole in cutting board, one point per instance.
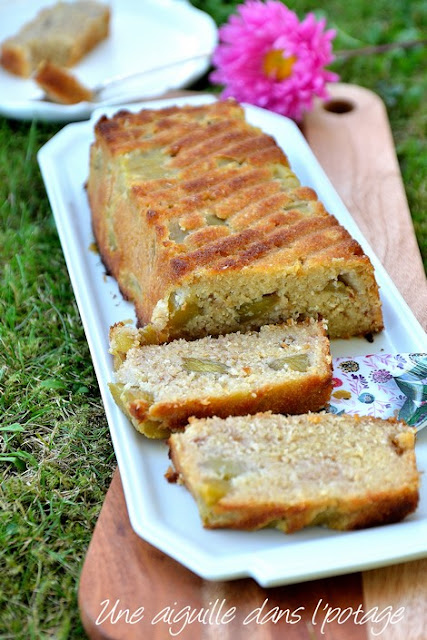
{"type": "Point", "coordinates": [338, 105]}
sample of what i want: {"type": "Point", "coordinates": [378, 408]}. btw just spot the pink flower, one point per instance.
{"type": "Point", "coordinates": [268, 58]}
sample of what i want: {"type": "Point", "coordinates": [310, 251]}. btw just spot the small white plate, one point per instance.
{"type": "Point", "coordinates": [145, 34]}
{"type": "Point", "coordinates": [166, 515]}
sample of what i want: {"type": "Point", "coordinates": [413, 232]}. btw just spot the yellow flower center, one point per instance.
{"type": "Point", "coordinates": [277, 66]}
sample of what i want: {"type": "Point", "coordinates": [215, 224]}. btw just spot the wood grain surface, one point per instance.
{"type": "Point", "coordinates": [356, 150]}
{"type": "Point", "coordinates": [130, 590]}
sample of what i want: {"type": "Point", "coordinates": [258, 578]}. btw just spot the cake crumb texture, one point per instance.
{"type": "Point", "coordinates": [62, 34]}
{"type": "Point", "coordinates": [283, 368]}
{"type": "Point", "coordinates": [339, 471]}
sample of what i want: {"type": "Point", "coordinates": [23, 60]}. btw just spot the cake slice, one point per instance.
{"type": "Point", "coordinates": [206, 228]}
{"type": "Point", "coordinates": [284, 368]}
{"type": "Point", "coordinates": [60, 85]}
{"type": "Point", "coordinates": [62, 33]}
{"type": "Point", "coordinates": [340, 471]}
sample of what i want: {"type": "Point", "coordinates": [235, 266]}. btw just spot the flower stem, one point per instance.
{"type": "Point", "coordinates": [379, 48]}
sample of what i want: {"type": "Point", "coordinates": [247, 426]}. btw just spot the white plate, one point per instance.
{"type": "Point", "coordinates": [166, 515]}
{"type": "Point", "coordinates": [144, 34]}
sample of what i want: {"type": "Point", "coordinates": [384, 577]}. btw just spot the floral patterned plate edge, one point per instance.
{"type": "Point", "coordinates": [383, 386]}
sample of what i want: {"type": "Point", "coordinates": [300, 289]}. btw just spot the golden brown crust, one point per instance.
{"type": "Point", "coordinates": [60, 85]}
{"type": "Point", "coordinates": [210, 199]}
{"type": "Point", "coordinates": [13, 59]}
{"type": "Point", "coordinates": [291, 397]}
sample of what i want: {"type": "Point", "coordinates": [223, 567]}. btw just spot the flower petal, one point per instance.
{"type": "Point", "coordinates": [262, 27]}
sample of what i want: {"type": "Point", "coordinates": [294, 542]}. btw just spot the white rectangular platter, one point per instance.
{"type": "Point", "coordinates": [165, 515]}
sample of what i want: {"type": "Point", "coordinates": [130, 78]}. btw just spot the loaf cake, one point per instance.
{"type": "Point", "coordinates": [62, 33]}
{"type": "Point", "coordinates": [206, 228]}
{"type": "Point", "coordinates": [284, 368]}
{"type": "Point", "coordinates": [60, 85]}
{"type": "Point", "coordinates": [340, 471]}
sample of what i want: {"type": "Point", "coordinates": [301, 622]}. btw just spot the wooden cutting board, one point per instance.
{"type": "Point", "coordinates": [130, 590]}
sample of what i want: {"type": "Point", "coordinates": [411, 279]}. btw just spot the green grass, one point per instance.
{"type": "Point", "coordinates": [56, 454]}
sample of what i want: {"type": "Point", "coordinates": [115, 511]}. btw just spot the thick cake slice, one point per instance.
{"type": "Point", "coordinates": [339, 471]}
{"type": "Point", "coordinates": [62, 34]}
{"type": "Point", "coordinates": [285, 368]}
{"type": "Point", "coordinates": [199, 217]}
